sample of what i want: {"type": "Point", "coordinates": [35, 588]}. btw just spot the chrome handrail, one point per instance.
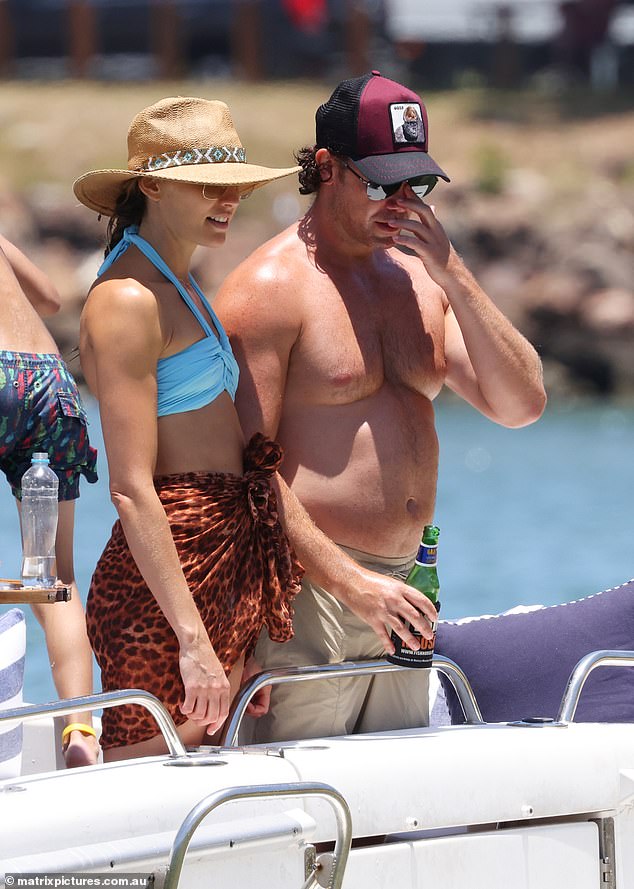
{"type": "Point", "coordinates": [103, 702]}
{"type": "Point", "coordinates": [229, 794]}
{"type": "Point", "coordinates": [580, 673]}
{"type": "Point", "coordinates": [229, 735]}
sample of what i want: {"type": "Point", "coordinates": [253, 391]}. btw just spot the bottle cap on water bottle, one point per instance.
{"type": "Point", "coordinates": [39, 458]}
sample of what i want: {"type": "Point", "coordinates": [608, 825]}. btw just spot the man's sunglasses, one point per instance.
{"type": "Point", "coordinates": [420, 185]}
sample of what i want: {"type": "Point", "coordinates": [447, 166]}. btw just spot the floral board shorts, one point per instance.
{"type": "Point", "coordinates": [41, 411]}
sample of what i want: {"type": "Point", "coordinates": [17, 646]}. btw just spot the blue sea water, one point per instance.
{"type": "Point", "coordinates": [536, 515]}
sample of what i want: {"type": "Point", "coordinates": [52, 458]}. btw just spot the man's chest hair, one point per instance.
{"type": "Point", "coordinates": [355, 353]}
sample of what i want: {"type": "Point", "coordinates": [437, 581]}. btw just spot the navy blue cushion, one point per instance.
{"type": "Point", "coordinates": [519, 664]}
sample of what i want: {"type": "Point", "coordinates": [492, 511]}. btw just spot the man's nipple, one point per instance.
{"type": "Point", "coordinates": [341, 380]}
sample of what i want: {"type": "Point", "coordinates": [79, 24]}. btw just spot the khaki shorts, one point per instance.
{"type": "Point", "coordinates": [327, 632]}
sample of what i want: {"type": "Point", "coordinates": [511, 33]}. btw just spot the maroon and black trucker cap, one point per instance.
{"type": "Point", "coordinates": [381, 126]}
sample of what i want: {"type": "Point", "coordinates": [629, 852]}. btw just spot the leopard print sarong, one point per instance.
{"type": "Point", "coordinates": [240, 569]}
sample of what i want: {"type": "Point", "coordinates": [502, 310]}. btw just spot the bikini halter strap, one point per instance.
{"type": "Point", "coordinates": [131, 236]}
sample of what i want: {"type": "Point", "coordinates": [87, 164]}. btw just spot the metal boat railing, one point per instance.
{"type": "Point", "coordinates": [334, 863]}
{"type": "Point", "coordinates": [327, 869]}
{"type": "Point", "coordinates": [102, 702]}
{"type": "Point", "coordinates": [580, 673]}
{"type": "Point", "coordinates": [229, 736]}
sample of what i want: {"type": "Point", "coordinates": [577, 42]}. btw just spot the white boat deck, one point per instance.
{"type": "Point", "coordinates": [477, 806]}
{"type": "Point", "coordinates": [434, 797]}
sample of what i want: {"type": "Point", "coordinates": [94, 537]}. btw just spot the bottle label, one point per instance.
{"type": "Point", "coordinates": [406, 657]}
{"type": "Point", "coordinates": [427, 554]}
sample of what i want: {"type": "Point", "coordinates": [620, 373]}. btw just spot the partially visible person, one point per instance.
{"type": "Point", "coordinates": [344, 340]}
{"type": "Point", "coordinates": [41, 410]}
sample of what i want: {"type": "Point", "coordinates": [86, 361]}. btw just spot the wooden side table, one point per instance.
{"type": "Point", "coordinates": [12, 592]}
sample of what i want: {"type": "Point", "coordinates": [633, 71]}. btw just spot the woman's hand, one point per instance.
{"type": "Point", "coordinates": [207, 695]}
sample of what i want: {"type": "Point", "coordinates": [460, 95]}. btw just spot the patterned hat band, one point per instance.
{"type": "Point", "coordinates": [181, 139]}
{"type": "Point", "coordinates": [217, 154]}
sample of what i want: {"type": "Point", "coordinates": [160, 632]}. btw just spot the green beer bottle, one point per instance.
{"type": "Point", "coordinates": [424, 577]}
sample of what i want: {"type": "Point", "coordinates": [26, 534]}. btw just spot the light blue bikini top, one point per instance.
{"type": "Point", "coordinates": [198, 374]}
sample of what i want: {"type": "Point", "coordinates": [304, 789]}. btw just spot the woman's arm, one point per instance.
{"type": "Point", "coordinates": [122, 341]}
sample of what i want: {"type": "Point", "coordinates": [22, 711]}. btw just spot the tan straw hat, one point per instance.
{"type": "Point", "coordinates": [184, 139]}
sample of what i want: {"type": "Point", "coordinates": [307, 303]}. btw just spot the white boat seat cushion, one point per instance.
{"type": "Point", "coordinates": [518, 664]}
{"type": "Point", "coordinates": [12, 652]}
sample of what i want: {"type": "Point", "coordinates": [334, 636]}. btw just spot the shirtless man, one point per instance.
{"type": "Point", "coordinates": [344, 340]}
{"type": "Point", "coordinates": [41, 406]}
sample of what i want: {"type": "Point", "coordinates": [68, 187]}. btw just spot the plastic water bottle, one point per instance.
{"type": "Point", "coordinates": [39, 523]}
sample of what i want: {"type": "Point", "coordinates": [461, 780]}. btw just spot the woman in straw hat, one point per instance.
{"type": "Point", "coordinates": [197, 562]}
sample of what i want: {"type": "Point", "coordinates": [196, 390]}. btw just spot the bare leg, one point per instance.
{"type": "Point", "coordinates": [69, 650]}
{"type": "Point", "coordinates": [191, 734]}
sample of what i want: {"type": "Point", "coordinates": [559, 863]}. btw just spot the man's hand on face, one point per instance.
{"type": "Point", "coordinates": [423, 234]}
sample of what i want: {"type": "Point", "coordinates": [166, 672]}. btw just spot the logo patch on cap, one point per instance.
{"type": "Point", "coordinates": [407, 123]}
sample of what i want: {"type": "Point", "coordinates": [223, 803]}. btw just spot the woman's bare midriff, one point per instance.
{"type": "Point", "coordinates": [365, 471]}
{"type": "Point", "coordinates": [208, 439]}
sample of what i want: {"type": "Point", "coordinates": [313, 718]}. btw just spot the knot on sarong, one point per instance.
{"type": "Point", "coordinates": [262, 457]}
{"type": "Point", "coordinates": [263, 454]}
{"type": "Point", "coordinates": [261, 497]}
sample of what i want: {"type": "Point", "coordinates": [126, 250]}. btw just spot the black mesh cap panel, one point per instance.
{"type": "Point", "coordinates": [337, 119]}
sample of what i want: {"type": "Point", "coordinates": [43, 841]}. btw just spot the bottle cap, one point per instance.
{"type": "Point", "coordinates": [39, 458]}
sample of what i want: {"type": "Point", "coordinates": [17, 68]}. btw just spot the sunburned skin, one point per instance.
{"type": "Point", "coordinates": [379, 489]}
{"type": "Point", "coordinates": [357, 422]}
{"type": "Point", "coordinates": [394, 350]}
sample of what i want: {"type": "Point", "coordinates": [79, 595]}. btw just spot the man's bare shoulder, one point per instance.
{"type": "Point", "coordinates": [269, 269]}
{"type": "Point", "coordinates": [264, 292]}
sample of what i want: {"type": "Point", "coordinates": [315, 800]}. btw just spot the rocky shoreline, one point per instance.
{"type": "Point", "coordinates": [541, 202]}
{"type": "Point", "coordinates": [562, 272]}
{"type": "Point", "coordinates": [564, 275]}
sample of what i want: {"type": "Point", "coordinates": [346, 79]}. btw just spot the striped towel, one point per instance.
{"type": "Point", "coordinates": [12, 651]}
